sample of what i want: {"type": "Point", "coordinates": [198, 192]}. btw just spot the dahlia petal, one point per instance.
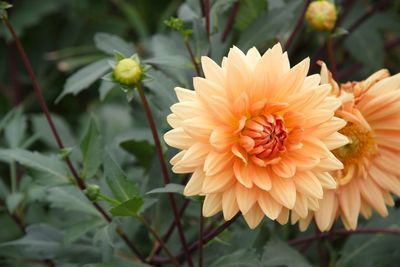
{"type": "Point", "coordinates": [304, 223]}
{"type": "Point", "coordinates": [245, 197]}
{"type": "Point", "coordinates": [284, 191]}
{"type": "Point", "coordinates": [318, 117]}
{"type": "Point", "coordinates": [326, 180]}
{"type": "Point", "coordinates": [371, 193]}
{"type": "Point", "coordinates": [385, 180]}
{"type": "Point", "coordinates": [385, 163]}
{"type": "Point", "coordinates": [229, 205]}
{"type": "Point", "coordinates": [174, 121]}
{"type": "Point", "coordinates": [222, 138]}
{"type": "Point", "coordinates": [195, 155]}
{"type": "Point", "coordinates": [285, 168]}
{"type": "Point", "coordinates": [242, 173]}
{"type": "Point", "coordinates": [313, 203]}
{"type": "Point", "coordinates": [269, 206]}
{"type": "Point", "coordinates": [212, 71]}
{"type": "Point", "coordinates": [221, 110]}
{"type": "Point", "coordinates": [292, 81]}
{"type": "Point", "coordinates": [212, 204]}
{"type": "Point", "coordinates": [217, 183]}
{"type": "Point", "coordinates": [253, 56]}
{"type": "Point", "coordinates": [239, 152]}
{"type": "Point", "coordinates": [217, 162]}
{"type": "Point", "coordinates": [178, 138]}
{"type": "Point", "coordinates": [329, 127]}
{"type": "Point", "coordinates": [186, 110]}
{"type": "Point", "coordinates": [301, 206]}
{"type": "Point", "coordinates": [311, 81]}
{"type": "Point", "coordinates": [325, 216]}
{"type": "Point", "coordinates": [206, 88]}
{"type": "Point", "coordinates": [184, 94]}
{"type": "Point", "coordinates": [253, 217]}
{"type": "Point", "coordinates": [303, 161]}
{"type": "Point", "coordinates": [283, 217]}
{"type": "Point", "coordinates": [350, 204]}
{"type": "Point", "coordinates": [195, 184]}
{"type": "Point", "coordinates": [308, 184]}
{"type": "Point", "coordinates": [238, 73]}
{"type": "Point", "coordinates": [329, 164]}
{"type": "Point", "coordinates": [198, 128]}
{"type": "Point", "coordinates": [261, 178]}
{"type": "Point", "coordinates": [335, 140]}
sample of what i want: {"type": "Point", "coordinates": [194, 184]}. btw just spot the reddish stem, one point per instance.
{"type": "Point", "coordinates": [195, 245]}
{"type": "Point", "coordinates": [207, 16]}
{"type": "Point", "coordinates": [331, 55]}
{"type": "Point", "coordinates": [201, 237]}
{"type": "Point", "coordinates": [344, 232]}
{"type": "Point", "coordinates": [230, 21]}
{"type": "Point", "coordinates": [297, 28]}
{"type": "Point", "coordinates": [164, 171]}
{"type": "Point", "coordinates": [45, 109]}
{"type": "Point", "coordinates": [192, 57]}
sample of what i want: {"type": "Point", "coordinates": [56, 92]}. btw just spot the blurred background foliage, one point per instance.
{"type": "Point", "coordinates": [45, 221]}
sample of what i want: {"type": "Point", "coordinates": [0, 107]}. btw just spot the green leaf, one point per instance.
{"type": "Point", "coordinates": [52, 166]}
{"type": "Point", "coordinates": [373, 250]}
{"type": "Point", "coordinates": [242, 258]}
{"type": "Point", "coordinates": [119, 263]}
{"type": "Point", "coordinates": [70, 198]}
{"type": "Point", "coordinates": [130, 207]}
{"type": "Point", "coordinates": [92, 150]}
{"type": "Point", "coordinates": [13, 200]}
{"type": "Point", "coordinates": [248, 11]}
{"type": "Point", "coordinates": [78, 230]}
{"type": "Point", "coordinates": [42, 129]}
{"type": "Point", "coordinates": [84, 77]}
{"type": "Point", "coordinates": [122, 188]}
{"type": "Point", "coordinates": [270, 24]}
{"type": "Point", "coordinates": [169, 188]}
{"type": "Point", "coordinates": [278, 253]}
{"type": "Point", "coordinates": [41, 242]}
{"type": "Point", "coordinates": [105, 88]}
{"type": "Point", "coordinates": [15, 130]}
{"type": "Point", "coordinates": [134, 17]}
{"type": "Point", "coordinates": [110, 43]}
{"type": "Point", "coordinates": [172, 61]}
{"type": "Point", "coordinates": [29, 13]}
{"type": "Point", "coordinates": [139, 143]}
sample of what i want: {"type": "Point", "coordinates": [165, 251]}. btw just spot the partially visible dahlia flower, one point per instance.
{"type": "Point", "coordinates": [372, 111]}
{"type": "Point", "coordinates": [257, 135]}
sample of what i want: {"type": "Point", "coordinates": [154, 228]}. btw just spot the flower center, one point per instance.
{"type": "Point", "coordinates": [263, 137]}
{"type": "Point", "coordinates": [361, 146]}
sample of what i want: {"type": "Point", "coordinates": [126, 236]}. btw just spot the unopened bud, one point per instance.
{"type": "Point", "coordinates": [128, 72]}
{"type": "Point", "coordinates": [92, 191]}
{"type": "Point", "coordinates": [321, 15]}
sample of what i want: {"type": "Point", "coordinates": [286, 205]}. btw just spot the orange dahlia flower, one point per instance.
{"type": "Point", "coordinates": [372, 111]}
{"type": "Point", "coordinates": [257, 135]}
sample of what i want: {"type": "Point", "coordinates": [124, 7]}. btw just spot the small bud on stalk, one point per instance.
{"type": "Point", "coordinates": [321, 15]}
{"type": "Point", "coordinates": [92, 191]}
{"type": "Point", "coordinates": [128, 72]}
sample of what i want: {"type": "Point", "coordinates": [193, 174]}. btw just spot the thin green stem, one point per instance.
{"type": "Point", "coordinates": [109, 200]}
{"type": "Point", "coordinates": [164, 171]}
{"type": "Point", "coordinates": [13, 176]}
{"type": "Point", "coordinates": [159, 240]}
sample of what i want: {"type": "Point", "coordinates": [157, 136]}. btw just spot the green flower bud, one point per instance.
{"type": "Point", "coordinates": [321, 15]}
{"type": "Point", "coordinates": [92, 191]}
{"type": "Point", "coordinates": [128, 72]}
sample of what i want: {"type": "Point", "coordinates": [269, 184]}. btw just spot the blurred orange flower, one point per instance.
{"type": "Point", "coordinates": [257, 135]}
{"type": "Point", "coordinates": [372, 111]}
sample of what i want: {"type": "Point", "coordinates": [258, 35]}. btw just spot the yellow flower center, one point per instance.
{"type": "Point", "coordinates": [361, 146]}
{"type": "Point", "coordinates": [264, 137]}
